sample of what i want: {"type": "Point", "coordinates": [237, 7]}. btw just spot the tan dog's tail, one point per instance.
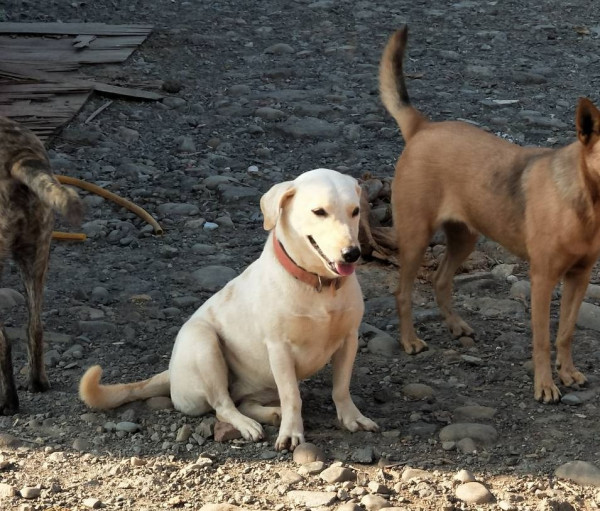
{"type": "Point", "coordinates": [392, 87]}
{"type": "Point", "coordinates": [35, 174]}
{"type": "Point", "coordinates": [105, 397]}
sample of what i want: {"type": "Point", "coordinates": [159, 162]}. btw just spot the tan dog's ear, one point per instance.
{"type": "Point", "coordinates": [359, 191]}
{"type": "Point", "coordinates": [587, 122]}
{"type": "Point", "coordinates": [275, 199]}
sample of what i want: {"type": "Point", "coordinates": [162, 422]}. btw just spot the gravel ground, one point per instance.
{"type": "Point", "coordinates": [259, 92]}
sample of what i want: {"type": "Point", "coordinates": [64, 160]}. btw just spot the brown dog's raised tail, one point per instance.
{"type": "Point", "coordinates": [35, 173]}
{"type": "Point", "coordinates": [392, 87]}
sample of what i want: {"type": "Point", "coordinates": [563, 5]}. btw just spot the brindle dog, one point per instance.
{"type": "Point", "coordinates": [29, 194]}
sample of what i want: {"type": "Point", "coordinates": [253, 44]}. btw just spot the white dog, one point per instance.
{"type": "Point", "coordinates": [291, 311]}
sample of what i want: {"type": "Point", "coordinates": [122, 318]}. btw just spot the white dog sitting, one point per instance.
{"type": "Point", "coordinates": [290, 312]}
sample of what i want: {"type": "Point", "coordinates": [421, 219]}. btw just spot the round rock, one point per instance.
{"type": "Point", "coordinates": [464, 476]}
{"type": "Point", "coordinates": [338, 475]}
{"type": "Point", "coordinates": [374, 502]}
{"type": "Point", "coordinates": [474, 493]}
{"type": "Point", "coordinates": [308, 453]}
{"type": "Point", "coordinates": [384, 344]}
{"type": "Point", "coordinates": [417, 391]}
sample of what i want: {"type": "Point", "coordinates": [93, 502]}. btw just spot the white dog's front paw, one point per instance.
{"type": "Point", "coordinates": [360, 423]}
{"type": "Point", "coordinates": [351, 418]}
{"type": "Point", "coordinates": [290, 437]}
{"type": "Point", "coordinates": [249, 428]}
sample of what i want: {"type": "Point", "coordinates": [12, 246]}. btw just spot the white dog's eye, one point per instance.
{"type": "Point", "coordinates": [319, 212]}
{"type": "Point", "coordinates": [355, 212]}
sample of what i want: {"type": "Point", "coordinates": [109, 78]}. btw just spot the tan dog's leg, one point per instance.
{"type": "Point", "coordinates": [261, 413]}
{"type": "Point", "coordinates": [574, 287]}
{"type": "Point", "coordinates": [542, 284]}
{"type": "Point", "coordinates": [347, 413]}
{"type": "Point", "coordinates": [291, 431]}
{"type": "Point", "coordinates": [411, 250]}
{"type": "Point", "coordinates": [460, 242]}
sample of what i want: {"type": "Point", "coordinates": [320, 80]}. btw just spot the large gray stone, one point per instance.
{"type": "Point", "coordinates": [481, 433]}
{"type": "Point", "coordinates": [309, 127]}
{"type": "Point", "coordinates": [494, 308]}
{"type": "Point", "coordinates": [474, 412]}
{"type": "Point", "coordinates": [311, 498]}
{"type": "Point", "coordinates": [214, 277]}
{"type": "Point", "coordinates": [589, 316]}
{"type": "Point", "coordinates": [581, 472]}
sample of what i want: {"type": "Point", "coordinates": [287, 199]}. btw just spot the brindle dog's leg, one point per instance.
{"type": "Point", "coordinates": [9, 401]}
{"type": "Point", "coordinates": [32, 259]}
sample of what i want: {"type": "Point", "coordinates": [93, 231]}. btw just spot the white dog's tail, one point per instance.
{"type": "Point", "coordinates": [104, 397]}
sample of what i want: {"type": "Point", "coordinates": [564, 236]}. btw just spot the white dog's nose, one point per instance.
{"type": "Point", "coordinates": [351, 254]}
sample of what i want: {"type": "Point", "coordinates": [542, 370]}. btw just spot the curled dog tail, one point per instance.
{"type": "Point", "coordinates": [105, 397]}
{"type": "Point", "coordinates": [34, 172]}
{"type": "Point", "coordinates": [392, 87]}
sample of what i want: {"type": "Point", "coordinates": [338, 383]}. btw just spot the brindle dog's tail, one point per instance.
{"type": "Point", "coordinates": [392, 87]}
{"type": "Point", "coordinates": [35, 173]}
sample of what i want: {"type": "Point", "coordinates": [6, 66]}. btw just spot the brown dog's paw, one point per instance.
{"type": "Point", "coordinates": [571, 377]}
{"type": "Point", "coordinates": [547, 392]}
{"type": "Point", "coordinates": [459, 327]}
{"type": "Point", "coordinates": [415, 346]}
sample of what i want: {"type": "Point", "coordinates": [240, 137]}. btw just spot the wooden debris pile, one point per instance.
{"type": "Point", "coordinates": [376, 236]}
{"type": "Point", "coordinates": [40, 64]}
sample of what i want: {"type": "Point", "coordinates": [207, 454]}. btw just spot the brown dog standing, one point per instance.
{"type": "Point", "coordinates": [541, 204]}
{"type": "Point", "coordinates": [28, 195]}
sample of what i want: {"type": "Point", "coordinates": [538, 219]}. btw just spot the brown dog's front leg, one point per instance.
{"type": "Point", "coordinates": [575, 285]}
{"type": "Point", "coordinates": [410, 260]}
{"type": "Point", "coordinates": [541, 292]}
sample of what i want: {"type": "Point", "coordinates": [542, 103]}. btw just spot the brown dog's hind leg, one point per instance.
{"type": "Point", "coordinates": [574, 287]}
{"type": "Point", "coordinates": [411, 250]}
{"type": "Point", "coordinates": [460, 242]}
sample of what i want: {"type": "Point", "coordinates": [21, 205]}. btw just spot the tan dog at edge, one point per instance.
{"type": "Point", "coordinates": [299, 305]}
{"type": "Point", "coordinates": [541, 204]}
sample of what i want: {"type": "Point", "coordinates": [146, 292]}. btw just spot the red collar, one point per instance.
{"type": "Point", "coordinates": [312, 279]}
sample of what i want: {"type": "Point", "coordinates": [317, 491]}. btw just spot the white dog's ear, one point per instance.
{"type": "Point", "coordinates": [272, 202]}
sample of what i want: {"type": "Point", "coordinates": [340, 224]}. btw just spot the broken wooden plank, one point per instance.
{"type": "Point", "coordinates": [74, 29]}
{"type": "Point", "coordinates": [66, 43]}
{"type": "Point", "coordinates": [83, 41]}
{"type": "Point", "coordinates": [46, 117]}
{"type": "Point", "coordinates": [25, 72]}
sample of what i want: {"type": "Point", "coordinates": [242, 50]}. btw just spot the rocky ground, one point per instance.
{"type": "Point", "coordinates": [257, 93]}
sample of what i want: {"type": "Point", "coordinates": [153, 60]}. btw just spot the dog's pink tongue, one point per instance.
{"type": "Point", "coordinates": [344, 269]}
